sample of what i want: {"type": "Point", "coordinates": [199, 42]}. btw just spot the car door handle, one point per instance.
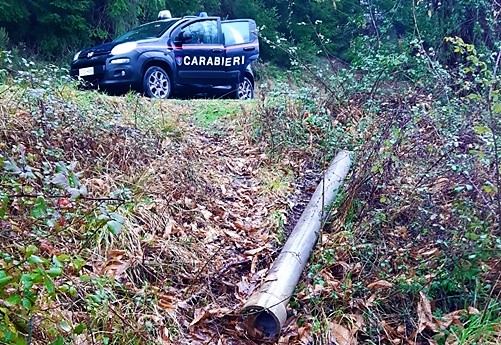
{"type": "Point", "coordinates": [248, 49]}
{"type": "Point", "coordinates": [217, 50]}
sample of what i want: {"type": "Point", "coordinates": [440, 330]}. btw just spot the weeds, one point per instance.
{"type": "Point", "coordinates": [117, 207]}
{"type": "Point", "coordinates": [419, 216]}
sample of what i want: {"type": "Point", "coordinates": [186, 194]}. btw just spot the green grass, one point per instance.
{"type": "Point", "coordinates": [210, 111]}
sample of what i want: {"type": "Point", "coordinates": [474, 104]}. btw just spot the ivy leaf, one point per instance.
{"type": "Point", "coordinates": [57, 262]}
{"type": "Point", "coordinates": [5, 280]}
{"type": "Point", "coordinates": [78, 263]}
{"type": "Point", "coordinates": [77, 192]}
{"type": "Point", "coordinates": [55, 271]}
{"type": "Point", "coordinates": [481, 129]}
{"type": "Point", "coordinates": [38, 277]}
{"type": "Point", "coordinates": [80, 328]}
{"type": "Point", "coordinates": [33, 259]}
{"type": "Point", "coordinates": [27, 280]}
{"type": "Point", "coordinates": [115, 224]}
{"type": "Point", "coordinates": [58, 341]}
{"type": "Point", "coordinates": [14, 300]}
{"type": "Point", "coordinates": [118, 217]}
{"type": "Point", "coordinates": [472, 236]}
{"type": "Point", "coordinates": [114, 227]}
{"type": "Point", "coordinates": [26, 302]}
{"type": "Point", "coordinates": [49, 286]}
{"type": "Point", "coordinates": [40, 208]}
{"type": "Point", "coordinates": [30, 250]}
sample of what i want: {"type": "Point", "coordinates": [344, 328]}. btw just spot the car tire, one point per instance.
{"type": "Point", "coordinates": [245, 90]}
{"type": "Point", "coordinates": [156, 83]}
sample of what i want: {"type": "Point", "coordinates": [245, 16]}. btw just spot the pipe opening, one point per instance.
{"type": "Point", "coordinates": [261, 323]}
{"type": "Point", "coordinates": [267, 324]}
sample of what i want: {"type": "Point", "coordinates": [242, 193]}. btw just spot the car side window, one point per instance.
{"type": "Point", "coordinates": [236, 32]}
{"type": "Point", "coordinates": [204, 32]}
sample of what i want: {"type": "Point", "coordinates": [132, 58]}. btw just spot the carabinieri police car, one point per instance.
{"type": "Point", "coordinates": [193, 54]}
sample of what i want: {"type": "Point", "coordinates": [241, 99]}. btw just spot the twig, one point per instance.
{"type": "Point", "coordinates": [30, 331]}
{"type": "Point", "coordinates": [424, 52]}
{"type": "Point", "coordinates": [190, 290]}
{"type": "Point", "coordinates": [128, 324]}
{"type": "Point", "coordinates": [232, 264]}
{"type": "Point", "coordinates": [373, 20]}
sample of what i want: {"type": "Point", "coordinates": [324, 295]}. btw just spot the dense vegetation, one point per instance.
{"type": "Point", "coordinates": [56, 28]}
{"type": "Point", "coordinates": [125, 220]}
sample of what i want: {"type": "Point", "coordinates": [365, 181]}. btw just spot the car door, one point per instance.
{"type": "Point", "coordinates": [199, 53]}
{"type": "Point", "coordinates": [241, 45]}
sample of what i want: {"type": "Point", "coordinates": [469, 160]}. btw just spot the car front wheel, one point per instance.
{"type": "Point", "coordinates": [245, 90]}
{"type": "Point", "coordinates": [156, 83]}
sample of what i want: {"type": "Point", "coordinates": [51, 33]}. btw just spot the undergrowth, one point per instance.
{"type": "Point", "coordinates": [115, 212]}
{"type": "Point", "coordinates": [412, 252]}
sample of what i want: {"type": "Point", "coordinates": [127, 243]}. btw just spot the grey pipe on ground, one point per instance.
{"type": "Point", "coordinates": [265, 311]}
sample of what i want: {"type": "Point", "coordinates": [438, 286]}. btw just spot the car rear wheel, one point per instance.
{"type": "Point", "coordinates": [156, 83]}
{"type": "Point", "coordinates": [245, 90]}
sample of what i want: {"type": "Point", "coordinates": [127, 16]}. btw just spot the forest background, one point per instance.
{"type": "Point", "coordinates": [339, 28]}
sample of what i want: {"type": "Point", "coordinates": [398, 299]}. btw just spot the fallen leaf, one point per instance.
{"type": "Point", "coordinates": [241, 226]}
{"type": "Point", "coordinates": [165, 302]}
{"type": "Point", "coordinates": [441, 184]}
{"type": "Point", "coordinates": [357, 322]}
{"type": "Point", "coordinates": [232, 234]}
{"type": "Point", "coordinates": [473, 311]}
{"type": "Point", "coordinates": [402, 232]}
{"type": "Point", "coordinates": [452, 318]}
{"type": "Point", "coordinates": [340, 335]}
{"type": "Point", "coordinates": [425, 317]}
{"type": "Point", "coordinates": [435, 324]}
{"type": "Point", "coordinates": [304, 335]}
{"type": "Point", "coordinates": [201, 314]}
{"type": "Point", "coordinates": [380, 284]}
{"type": "Point", "coordinates": [252, 252]}
{"type": "Point", "coordinates": [390, 332]}
{"type": "Point", "coordinates": [431, 252]}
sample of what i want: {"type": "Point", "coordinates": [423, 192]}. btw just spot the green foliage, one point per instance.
{"type": "Point", "coordinates": [317, 28]}
{"type": "Point", "coordinates": [28, 282]}
{"type": "Point", "coordinates": [479, 327]}
{"type": "Point", "coordinates": [45, 208]}
{"type": "Point", "coordinates": [4, 39]}
{"type": "Point", "coordinates": [421, 213]}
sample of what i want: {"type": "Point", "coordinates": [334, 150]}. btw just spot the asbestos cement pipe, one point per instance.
{"type": "Point", "coordinates": [265, 311]}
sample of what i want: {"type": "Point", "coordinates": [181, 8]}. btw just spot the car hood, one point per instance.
{"type": "Point", "coordinates": [102, 49]}
{"type": "Point", "coordinates": [105, 49]}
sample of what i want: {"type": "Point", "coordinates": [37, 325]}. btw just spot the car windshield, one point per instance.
{"type": "Point", "coordinates": [150, 30]}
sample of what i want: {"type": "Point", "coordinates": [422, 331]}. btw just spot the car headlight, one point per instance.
{"type": "Point", "coordinates": [123, 48]}
{"type": "Point", "coordinates": [120, 61]}
{"type": "Point", "coordinates": [75, 57]}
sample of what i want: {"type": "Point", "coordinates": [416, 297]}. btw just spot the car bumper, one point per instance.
{"type": "Point", "coordinates": [106, 74]}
